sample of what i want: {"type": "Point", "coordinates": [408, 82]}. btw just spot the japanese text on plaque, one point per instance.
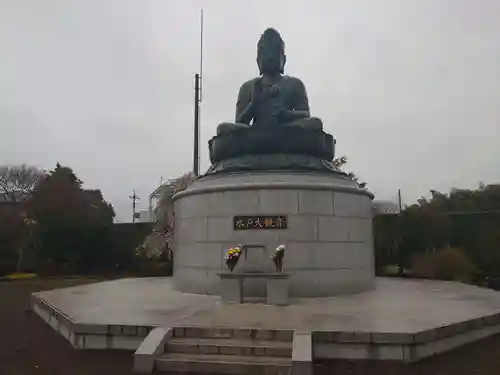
{"type": "Point", "coordinates": [260, 222]}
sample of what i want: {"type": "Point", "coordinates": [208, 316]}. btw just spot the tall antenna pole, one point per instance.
{"type": "Point", "coordinates": [197, 101]}
{"type": "Point", "coordinates": [201, 55]}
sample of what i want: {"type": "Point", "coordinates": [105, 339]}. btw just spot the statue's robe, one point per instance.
{"type": "Point", "coordinates": [291, 95]}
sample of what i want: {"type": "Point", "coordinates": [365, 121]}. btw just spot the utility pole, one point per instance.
{"type": "Point", "coordinates": [399, 200]}
{"type": "Point", "coordinates": [197, 101]}
{"type": "Point", "coordinates": [134, 198]}
{"type": "Point", "coordinates": [196, 146]}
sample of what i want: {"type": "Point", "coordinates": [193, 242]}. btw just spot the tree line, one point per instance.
{"type": "Point", "coordinates": [449, 236]}
{"type": "Point", "coordinates": [50, 224]}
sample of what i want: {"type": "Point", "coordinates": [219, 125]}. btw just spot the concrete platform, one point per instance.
{"type": "Point", "coordinates": [399, 320]}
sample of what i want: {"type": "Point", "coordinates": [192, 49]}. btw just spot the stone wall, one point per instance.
{"type": "Point", "coordinates": [329, 246]}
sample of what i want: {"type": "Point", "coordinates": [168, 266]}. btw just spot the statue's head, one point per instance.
{"type": "Point", "coordinates": [271, 52]}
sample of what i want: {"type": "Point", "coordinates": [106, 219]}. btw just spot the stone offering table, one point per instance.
{"type": "Point", "coordinates": [276, 286]}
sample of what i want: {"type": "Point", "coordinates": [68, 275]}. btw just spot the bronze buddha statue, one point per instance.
{"type": "Point", "coordinates": [272, 99]}
{"type": "Point", "coordinates": [273, 128]}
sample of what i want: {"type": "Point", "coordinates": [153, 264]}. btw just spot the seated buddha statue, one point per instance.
{"type": "Point", "coordinates": [272, 99]}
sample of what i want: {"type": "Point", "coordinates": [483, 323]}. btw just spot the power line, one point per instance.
{"type": "Point", "coordinates": [451, 213]}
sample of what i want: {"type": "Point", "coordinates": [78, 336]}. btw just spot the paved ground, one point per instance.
{"type": "Point", "coordinates": [396, 305]}
{"type": "Point", "coordinates": [30, 347]}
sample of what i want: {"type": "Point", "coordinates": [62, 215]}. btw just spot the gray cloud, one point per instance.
{"type": "Point", "coordinates": [409, 89]}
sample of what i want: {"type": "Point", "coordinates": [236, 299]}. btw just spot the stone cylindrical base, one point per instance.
{"type": "Point", "coordinates": [328, 239]}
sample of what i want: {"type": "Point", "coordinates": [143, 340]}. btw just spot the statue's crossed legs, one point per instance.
{"type": "Point", "coordinates": [312, 123]}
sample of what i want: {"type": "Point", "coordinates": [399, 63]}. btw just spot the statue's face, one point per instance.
{"type": "Point", "coordinates": [270, 59]}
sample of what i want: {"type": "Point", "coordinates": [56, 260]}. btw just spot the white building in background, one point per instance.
{"type": "Point", "coordinates": [386, 208]}
{"type": "Point", "coordinates": [154, 197]}
{"type": "Point", "coordinates": [144, 217]}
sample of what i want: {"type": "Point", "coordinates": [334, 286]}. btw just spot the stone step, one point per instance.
{"type": "Point", "coordinates": [235, 333]}
{"type": "Point", "coordinates": [230, 347]}
{"type": "Point", "coordinates": [223, 364]}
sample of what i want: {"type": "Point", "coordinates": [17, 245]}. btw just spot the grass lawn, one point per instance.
{"type": "Point", "coordinates": [28, 346]}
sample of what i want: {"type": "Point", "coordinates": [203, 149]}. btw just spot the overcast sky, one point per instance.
{"type": "Point", "coordinates": [410, 89]}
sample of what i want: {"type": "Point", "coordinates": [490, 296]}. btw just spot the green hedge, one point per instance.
{"type": "Point", "coordinates": [399, 239]}
{"type": "Point", "coordinates": [81, 250]}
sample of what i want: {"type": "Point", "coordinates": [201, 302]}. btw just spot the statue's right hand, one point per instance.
{"type": "Point", "coordinates": [259, 94]}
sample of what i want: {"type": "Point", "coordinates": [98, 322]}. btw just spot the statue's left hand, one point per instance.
{"type": "Point", "coordinates": [277, 111]}
{"type": "Point", "coordinates": [284, 114]}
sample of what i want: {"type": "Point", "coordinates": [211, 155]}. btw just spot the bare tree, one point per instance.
{"type": "Point", "coordinates": [160, 240]}
{"type": "Point", "coordinates": [18, 181]}
{"type": "Point", "coordinates": [340, 163]}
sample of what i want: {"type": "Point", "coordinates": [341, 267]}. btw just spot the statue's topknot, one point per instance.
{"type": "Point", "coordinates": [272, 37]}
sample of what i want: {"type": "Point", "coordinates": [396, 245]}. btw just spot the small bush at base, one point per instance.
{"type": "Point", "coordinates": [21, 276]}
{"type": "Point", "coordinates": [446, 264]}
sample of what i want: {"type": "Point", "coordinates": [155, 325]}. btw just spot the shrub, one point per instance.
{"type": "Point", "coordinates": [21, 276]}
{"type": "Point", "coordinates": [446, 264]}
{"type": "Point", "coordinates": [391, 270]}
